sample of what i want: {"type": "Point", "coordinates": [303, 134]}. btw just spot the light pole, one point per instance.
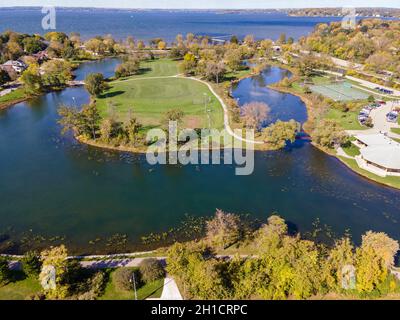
{"type": "Point", "coordinates": [134, 284]}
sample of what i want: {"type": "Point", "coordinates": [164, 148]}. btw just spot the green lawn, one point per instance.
{"type": "Point", "coordinates": [151, 98]}
{"type": "Point", "coordinates": [395, 130]}
{"type": "Point", "coordinates": [158, 68]}
{"type": "Point", "coordinates": [351, 150]}
{"type": "Point", "coordinates": [12, 96]}
{"type": "Point", "coordinates": [348, 120]}
{"type": "Point", "coordinates": [153, 290]}
{"type": "Point", "coordinates": [390, 181]}
{"type": "Point", "coordinates": [20, 289]}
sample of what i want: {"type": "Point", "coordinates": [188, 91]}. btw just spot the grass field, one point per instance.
{"type": "Point", "coordinates": [149, 290]}
{"type": "Point", "coordinates": [348, 120]}
{"type": "Point", "coordinates": [20, 288]}
{"type": "Point", "coordinates": [151, 98]}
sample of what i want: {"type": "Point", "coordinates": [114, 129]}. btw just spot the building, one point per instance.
{"type": "Point", "coordinates": [378, 154]}
{"type": "Point", "coordinates": [17, 65]}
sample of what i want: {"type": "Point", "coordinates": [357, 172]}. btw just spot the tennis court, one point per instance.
{"type": "Point", "coordinates": [339, 91]}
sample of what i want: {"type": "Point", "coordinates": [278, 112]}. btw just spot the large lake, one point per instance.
{"type": "Point", "coordinates": [150, 24]}
{"type": "Point", "coordinates": [52, 186]}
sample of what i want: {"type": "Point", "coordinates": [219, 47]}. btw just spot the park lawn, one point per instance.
{"type": "Point", "coordinates": [348, 120]}
{"type": "Point", "coordinates": [20, 288]}
{"type": "Point", "coordinates": [157, 68]}
{"type": "Point", "coordinates": [149, 99]}
{"type": "Point", "coordinates": [390, 181]}
{"type": "Point", "coordinates": [148, 290]}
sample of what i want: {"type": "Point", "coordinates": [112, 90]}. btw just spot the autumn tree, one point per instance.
{"type": "Point", "coordinates": [279, 133]}
{"type": "Point", "coordinates": [32, 80]}
{"type": "Point", "coordinates": [224, 229]}
{"type": "Point", "coordinates": [255, 114]}
{"type": "Point", "coordinates": [328, 134]}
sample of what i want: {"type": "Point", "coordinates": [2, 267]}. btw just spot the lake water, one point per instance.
{"type": "Point", "coordinates": [149, 24]}
{"type": "Point", "coordinates": [52, 186]}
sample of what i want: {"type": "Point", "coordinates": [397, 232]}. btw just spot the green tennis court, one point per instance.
{"type": "Point", "coordinates": [341, 91]}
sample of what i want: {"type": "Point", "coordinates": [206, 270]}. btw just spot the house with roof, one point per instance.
{"type": "Point", "coordinates": [17, 65]}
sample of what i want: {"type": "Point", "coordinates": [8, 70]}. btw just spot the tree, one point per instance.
{"type": "Point", "coordinates": [172, 115]}
{"type": "Point", "coordinates": [56, 72]}
{"type": "Point", "coordinates": [91, 118]}
{"type": "Point", "coordinates": [162, 45]}
{"type": "Point", "coordinates": [130, 67]}
{"type": "Point", "coordinates": [94, 84]}
{"type": "Point", "coordinates": [123, 278]}
{"type": "Point", "coordinates": [55, 257]}
{"type": "Point", "coordinates": [279, 133]}
{"type": "Point", "coordinates": [233, 59]}
{"type": "Point", "coordinates": [215, 70]}
{"type": "Point", "coordinates": [4, 77]}
{"type": "Point", "coordinates": [234, 39]}
{"type": "Point", "coordinates": [189, 63]}
{"type": "Point", "coordinates": [33, 45]}
{"type": "Point", "coordinates": [384, 246]}
{"type": "Point", "coordinates": [224, 229]}
{"type": "Point", "coordinates": [151, 269]}
{"type": "Point", "coordinates": [328, 133]}
{"type": "Point", "coordinates": [4, 271]}
{"type": "Point", "coordinates": [32, 80]}
{"type": "Point", "coordinates": [70, 120]}
{"type": "Point", "coordinates": [31, 264]}
{"type": "Point", "coordinates": [132, 128]}
{"type": "Point", "coordinates": [255, 114]}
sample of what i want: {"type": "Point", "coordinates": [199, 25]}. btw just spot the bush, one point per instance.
{"type": "Point", "coordinates": [4, 271]}
{"type": "Point", "coordinates": [151, 270]}
{"type": "Point", "coordinates": [123, 278]}
{"type": "Point", "coordinates": [31, 264]}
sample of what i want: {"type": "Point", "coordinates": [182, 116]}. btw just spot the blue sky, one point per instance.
{"type": "Point", "coordinates": [203, 4]}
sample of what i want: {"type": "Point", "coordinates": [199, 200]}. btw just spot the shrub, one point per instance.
{"type": "Point", "coordinates": [123, 278]}
{"type": "Point", "coordinates": [31, 264]}
{"type": "Point", "coordinates": [151, 270]}
{"type": "Point", "coordinates": [4, 271]}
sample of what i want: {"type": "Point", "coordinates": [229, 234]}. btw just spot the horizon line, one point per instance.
{"type": "Point", "coordinates": [216, 9]}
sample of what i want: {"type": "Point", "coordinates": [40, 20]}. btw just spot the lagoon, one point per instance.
{"type": "Point", "coordinates": [53, 186]}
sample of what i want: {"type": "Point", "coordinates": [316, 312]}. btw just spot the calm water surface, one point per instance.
{"type": "Point", "coordinates": [155, 23]}
{"type": "Point", "coordinates": [52, 186]}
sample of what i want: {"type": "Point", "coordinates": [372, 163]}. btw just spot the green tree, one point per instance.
{"type": "Point", "coordinates": [4, 77]}
{"type": "Point", "coordinates": [132, 128]}
{"type": "Point", "coordinates": [91, 118]}
{"type": "Point", "coordinates": [94, 84]}
{"type": "Point", "coordinates": [279, 133]}
{"type": "Point", "coordinates": [32, 80]}
{"type": "Point", "coordinates": [31, 264]}
{"type": "Point", "coordinates": [5, 273]}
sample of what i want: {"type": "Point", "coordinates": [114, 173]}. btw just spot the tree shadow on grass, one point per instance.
{"type": "Point", "coordinates": [143, 71]}
{"type": "Point", "coordinates": [112, 94]}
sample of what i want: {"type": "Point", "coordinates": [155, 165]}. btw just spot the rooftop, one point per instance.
{"type": "Point", "coordinates": [385, 156]}
{"type": "Point", "coordinates": [376, 140]}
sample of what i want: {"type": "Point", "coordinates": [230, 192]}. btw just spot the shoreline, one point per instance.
{"type": "Point", "coordinates": [332, 154]}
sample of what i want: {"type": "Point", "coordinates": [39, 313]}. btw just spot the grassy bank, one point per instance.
{"type": "Point", "coordinates": [13, 97]}
{"type": "Point", "coordinates": [388, 181]}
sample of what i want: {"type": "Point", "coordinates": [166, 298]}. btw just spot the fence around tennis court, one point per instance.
{"type": "Point", "coordinates": [342, 91]}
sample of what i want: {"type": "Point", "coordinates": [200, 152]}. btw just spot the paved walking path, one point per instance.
{"type": "Point", "coordinates": [170, 290]}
